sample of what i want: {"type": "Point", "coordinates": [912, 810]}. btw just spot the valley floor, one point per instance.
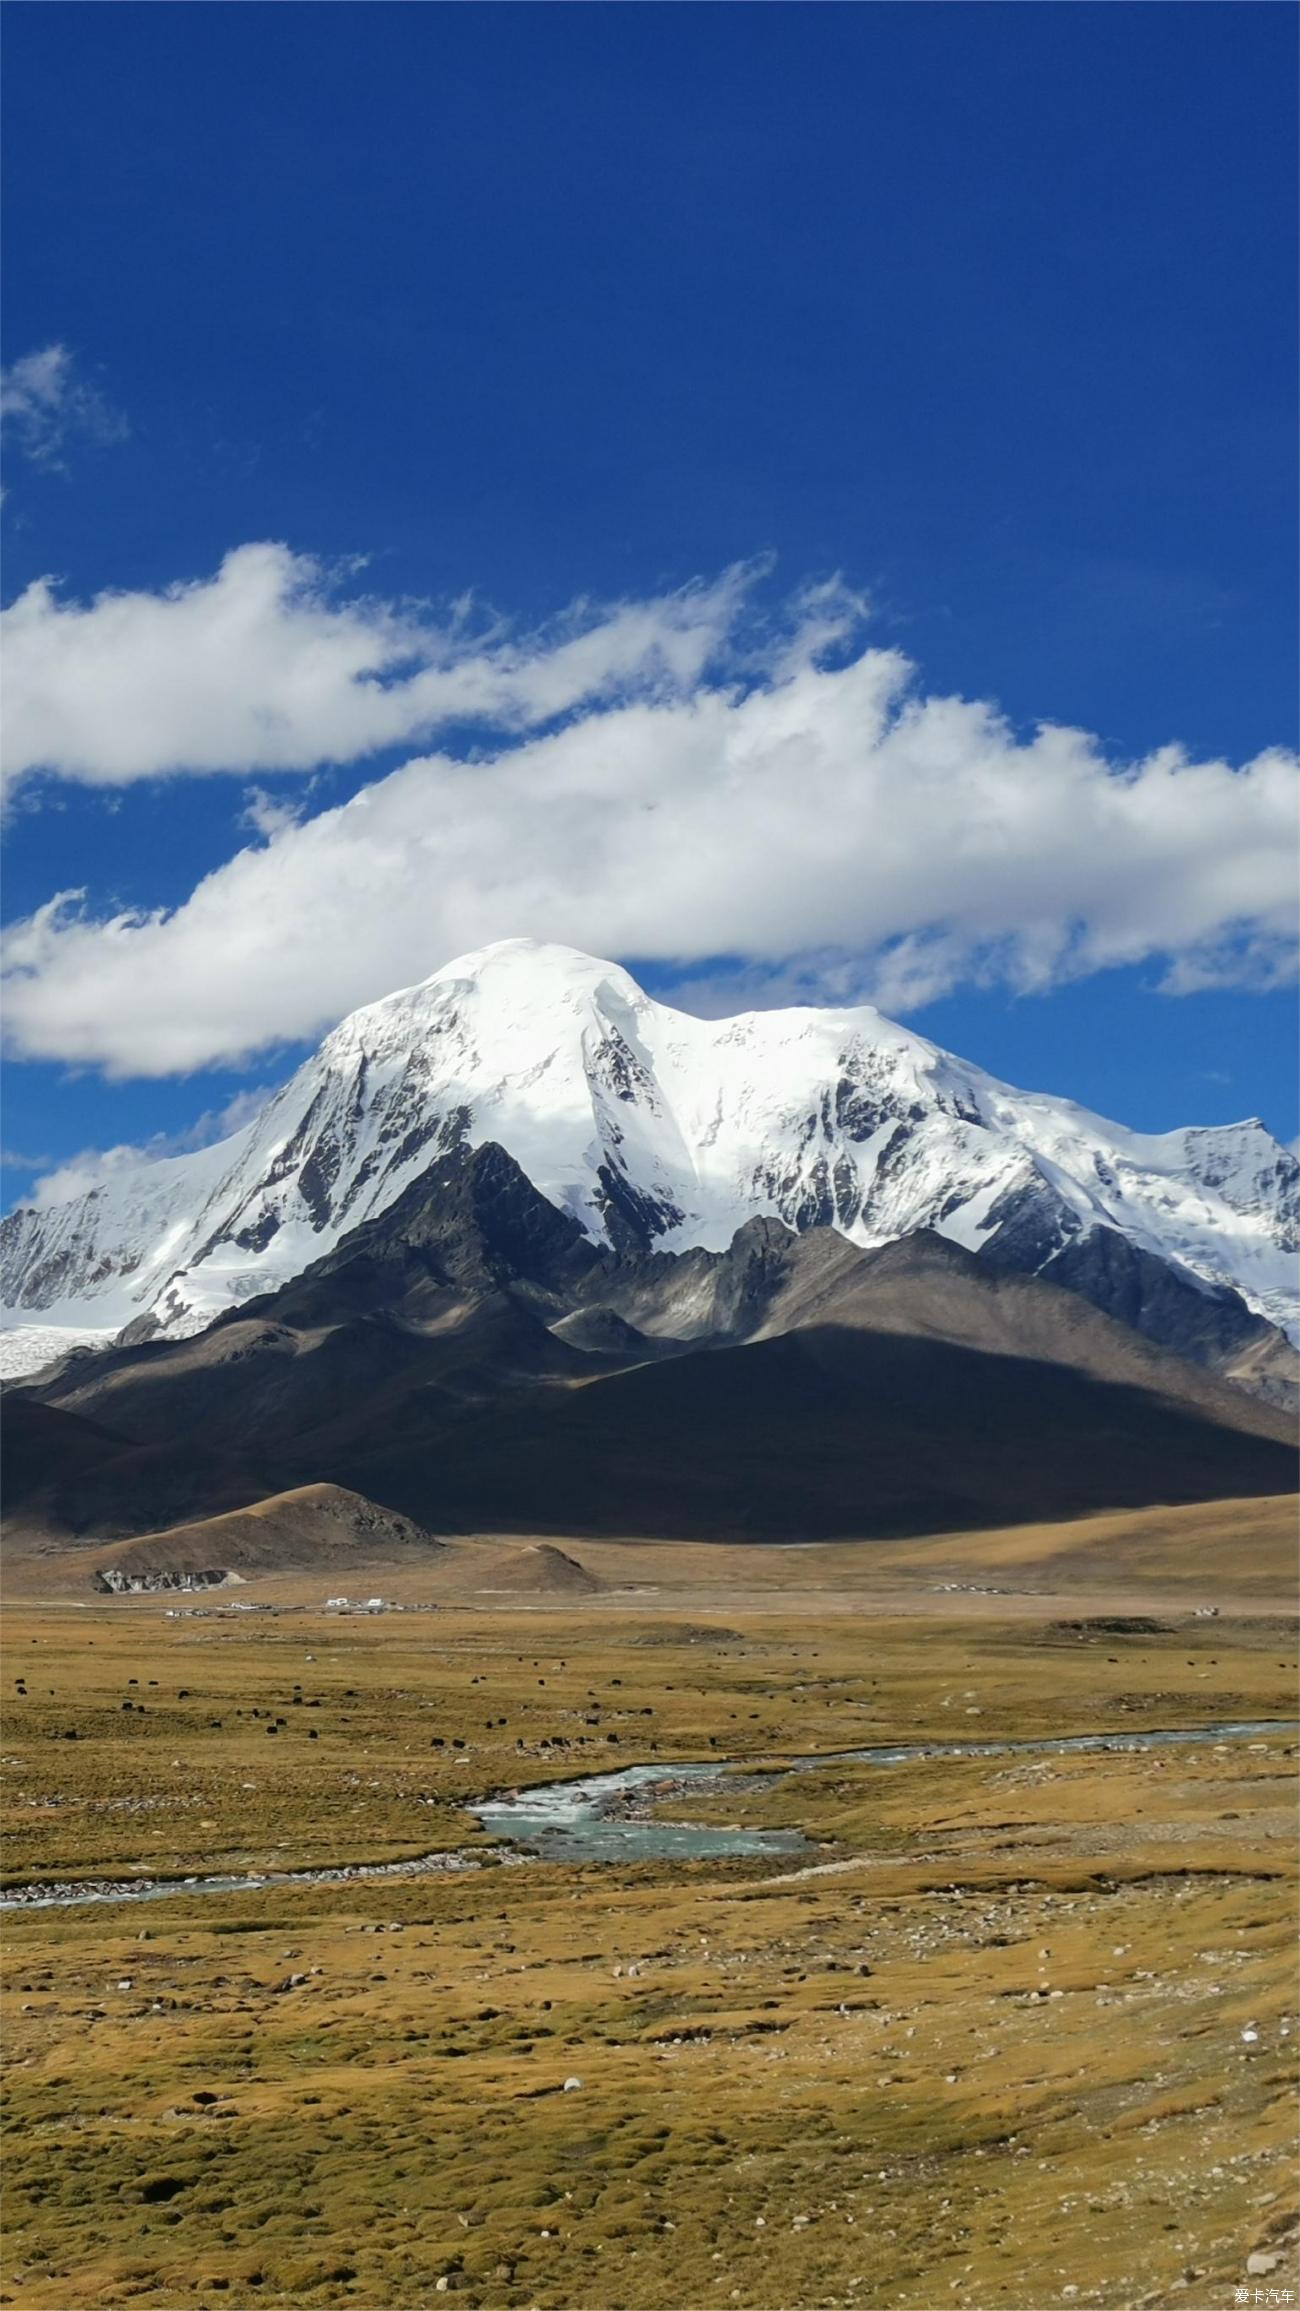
{"type": "Point", "coordinates": [1014, 2032]}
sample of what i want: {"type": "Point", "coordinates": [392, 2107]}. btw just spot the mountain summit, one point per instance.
{"type": "Point", "coordinates": [653, 1129]}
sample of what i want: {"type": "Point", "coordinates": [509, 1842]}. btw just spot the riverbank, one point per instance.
{"type": "Point", "coordinates": [1017, 2019]}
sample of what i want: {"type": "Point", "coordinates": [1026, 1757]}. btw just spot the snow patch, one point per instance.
{"type": "Point", "coordinates": [612, 1102]}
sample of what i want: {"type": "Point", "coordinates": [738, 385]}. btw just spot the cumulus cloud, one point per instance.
{"type": "Point", "coordinates": [831, 824]}
{"type": "Point", "coordinates": [43, 402]}
{"type": "Point", "coordinates": [265, 667]}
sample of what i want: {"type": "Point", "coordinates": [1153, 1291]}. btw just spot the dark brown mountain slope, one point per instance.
{"type": "Point", "coordinates": [817, 1434]}
{"type": "Point", "coordinates": [65, 1477]}
{"type": "Point", "coordinates": [470, 1359]}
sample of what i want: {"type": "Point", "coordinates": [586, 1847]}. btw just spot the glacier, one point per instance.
{"type": "Point", "coordinates": [653, 1128]}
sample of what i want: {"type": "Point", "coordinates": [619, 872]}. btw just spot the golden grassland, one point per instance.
{"type": "Point", "coordinates": [1241, 1549]}
{"type": "Point", "coordinates": [981, 2045]}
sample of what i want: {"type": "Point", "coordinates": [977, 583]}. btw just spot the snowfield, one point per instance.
{"type": "Point", "coordinates": [652, 1127]}
{"type": "Point", "coordinates": [27, 1347]}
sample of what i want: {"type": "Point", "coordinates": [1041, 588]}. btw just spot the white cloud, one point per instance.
{"type": "Point", "coordinates": [93, 1167]}
{"type": "Point", "coordinates": [901, 975]}
{"type": "Point", "coordinates": [78, 1174]}
{"type": "Point", "coordinates": [263, 667]}
{"type": "Point", "coordinates": [269, 814]}
{"type": "Point", "coordinates": [43, 401]}
{"type": "Point", "coordinates": [1243, 954]}
{"type": "Point", "coordinates": [839, 830]}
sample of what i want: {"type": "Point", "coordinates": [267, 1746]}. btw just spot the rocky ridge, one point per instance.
{"type": "Point", "coordinates": [656, 1130]}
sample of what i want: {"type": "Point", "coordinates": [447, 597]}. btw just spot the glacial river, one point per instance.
{"type": "Point", "coordinates": [615, 1817]}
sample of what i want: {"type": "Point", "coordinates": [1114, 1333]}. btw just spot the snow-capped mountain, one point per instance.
{"type": "Point", "coordinates": [655, 1128]}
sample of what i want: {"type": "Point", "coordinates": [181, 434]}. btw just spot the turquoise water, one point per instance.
{"type": "Point", "coordinates": [613, 1817]}
{"type": "Point", "coordinates": [609, 1816]}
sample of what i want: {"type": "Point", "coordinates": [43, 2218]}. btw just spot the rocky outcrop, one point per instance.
{"type": "Point", "coordinates": [643, 1129]}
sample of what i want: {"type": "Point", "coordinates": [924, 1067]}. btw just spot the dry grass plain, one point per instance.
{"type": "Point", "coordinates": [1017, 2031]}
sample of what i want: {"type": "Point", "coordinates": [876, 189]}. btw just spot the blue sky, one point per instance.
{"type": "Point", "coordinates": [467, 315]}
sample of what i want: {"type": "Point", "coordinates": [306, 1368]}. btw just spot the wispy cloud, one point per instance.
{"type": "Point", "coordinates": [268, 814]}
{"type": "Point", "coordinates": [44, 404]}
{"type": "Point", "coordinates": [91, 1168]}
{"type": "Point", "coordinates": [272, 666]}
{"type": "Point", "coordinates": [844, 833]}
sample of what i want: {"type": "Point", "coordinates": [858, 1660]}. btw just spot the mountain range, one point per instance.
{"type": "Point", "coordinates": [521, 1250]}
{"type": "Point", "coordinates": [653, 1128]}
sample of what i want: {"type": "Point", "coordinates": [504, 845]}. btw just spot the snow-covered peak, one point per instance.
{"type": "Point", "coordinates": [652, 1126]}
{"type": "Point", "coordinates": [530, 980]}
{"type": "Point", "coordinates": [525, 971]}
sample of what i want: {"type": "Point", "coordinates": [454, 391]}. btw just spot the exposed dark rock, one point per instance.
{"type": "Point", "coordinates": [791, 1386]}
{"type": "Point", "coordinates": [1209, 1324]}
